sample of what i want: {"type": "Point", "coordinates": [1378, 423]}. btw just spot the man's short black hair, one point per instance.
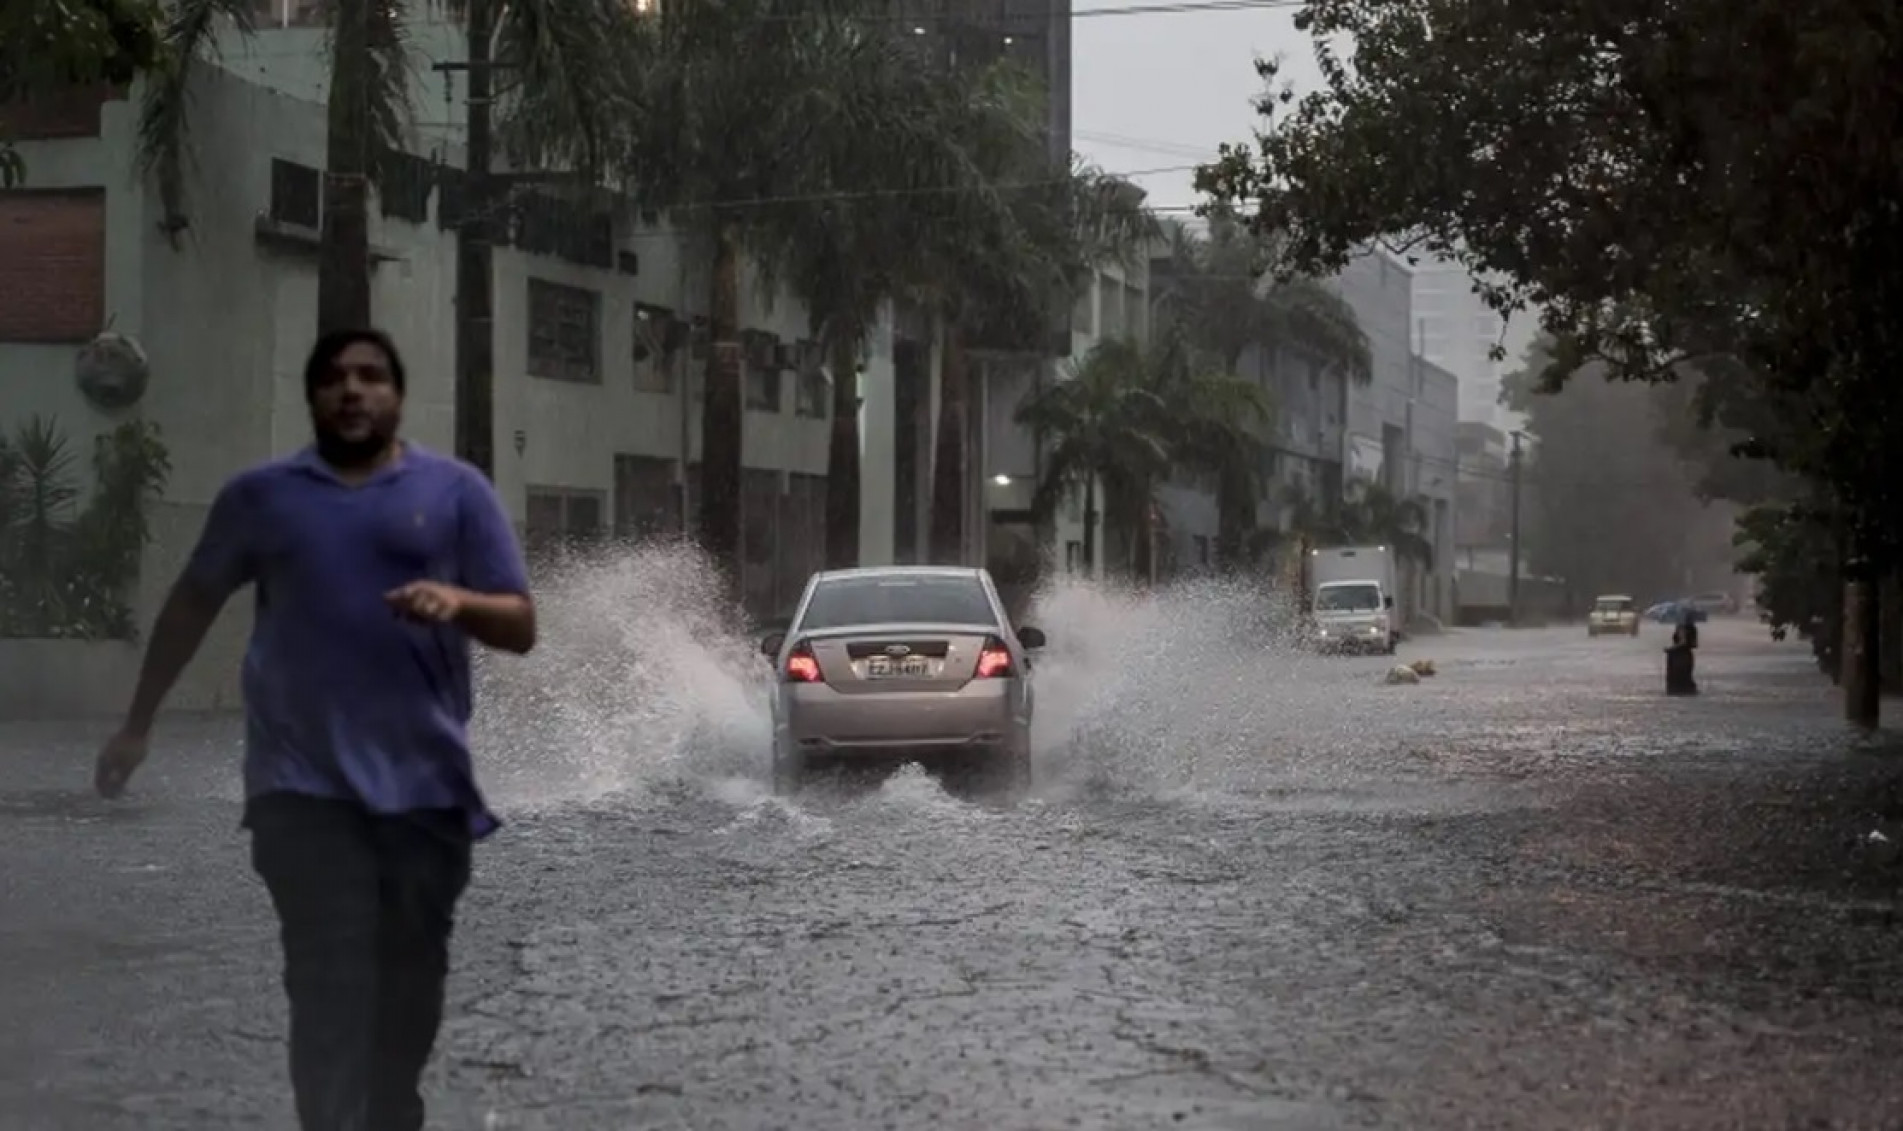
{"type": "Point", "coordinates": [325, 350]}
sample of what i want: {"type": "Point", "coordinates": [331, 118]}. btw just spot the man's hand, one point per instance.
{"type": "Point", "coordinates": [431, 602]}
{"type": "Point", "coordinates": [121, 756]}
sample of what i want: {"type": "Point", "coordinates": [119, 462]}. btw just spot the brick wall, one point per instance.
{"type": "Point", "coordinates": [52, 264]}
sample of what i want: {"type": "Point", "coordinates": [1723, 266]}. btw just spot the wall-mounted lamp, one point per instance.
{"type": "Point", "coordinates": [521, 442]}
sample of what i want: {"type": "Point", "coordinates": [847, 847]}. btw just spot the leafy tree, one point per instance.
{"type": "Point", "coordinates": [1663, 182]}
{"type": "Point", "coordinates": [1612, 505]}
{"type": "Point", "coordinates": [48, 46]}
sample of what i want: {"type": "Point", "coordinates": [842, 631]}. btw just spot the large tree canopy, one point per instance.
{"type": "Point", "coordinates": [1663, 179]}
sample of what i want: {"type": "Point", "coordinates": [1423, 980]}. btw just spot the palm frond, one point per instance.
{"type": "Point", "coordinates": [568, 89]}
{"type": "Point", "coordinates": [164, 153]}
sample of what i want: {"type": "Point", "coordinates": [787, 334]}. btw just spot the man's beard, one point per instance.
{"type": "Point", "coordinates": [340, 452]}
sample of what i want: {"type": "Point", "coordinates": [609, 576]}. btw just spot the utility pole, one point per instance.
{"type": "Point", "coordinates": [1514, 465]}
{"type": "Point", "coordinates": [475, 255]}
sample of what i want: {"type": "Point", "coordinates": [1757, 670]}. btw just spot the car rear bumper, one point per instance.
{"type": "Point", "coordinates": [979, 717]}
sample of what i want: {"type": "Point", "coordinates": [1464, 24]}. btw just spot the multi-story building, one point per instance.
{"type": "Point", "coordinates": [1456, 330]}
{"type": "Point", "coordinates": [599, 336]}
{"type": "Point", "coordinates": [1396, 429]}
{"type": "Point", "coordinates": [597, 352]}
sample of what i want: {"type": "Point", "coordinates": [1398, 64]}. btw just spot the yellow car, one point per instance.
{"type": "Point", "coordinates": [1613, 614]}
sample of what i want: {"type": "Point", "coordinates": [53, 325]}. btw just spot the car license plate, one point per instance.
{"type": "Point", "coordinates": [906, 667]}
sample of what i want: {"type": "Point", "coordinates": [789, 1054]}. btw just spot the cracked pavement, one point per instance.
{"type": "Point", "coordinates": [1253, 892]}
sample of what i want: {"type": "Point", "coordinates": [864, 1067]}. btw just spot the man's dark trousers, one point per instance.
{"type": "Point", "coordinates": [366, 904]}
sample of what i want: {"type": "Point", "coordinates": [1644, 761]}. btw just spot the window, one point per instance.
{"type": "Point", "coordinates": [1111, 307]}
{"type": "Point", "coordinates": [564, 332]}
{"type": "Point", "coordinates": [561, 517]}
{"type": "Point", "coordinates": [653, 368]}
{"type": "Point", "coordinates": [1083, 311]}
{"type": "Point", "coordinates": [1133, 311]}
{"type": "Point", "coordinates": [647, 500]}
{"type": "Point", "coordinates": [811, 394]}
{"type": "Point", "coordinates": [297, 193]}
{"type": "Point", "coordinates": [898, 598]}
{"type": "Point", "coordinates": [290, 13]}
{"type": "Point", "coordinates": [763, 388]}
{"type": "Point", "coordinates": [1348, 597]}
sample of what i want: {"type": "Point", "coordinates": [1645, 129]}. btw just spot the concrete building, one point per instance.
{"type": "Point", "coordinates": [1400, 424]}
{"type": "Point", "coordinates": [1396, 430]}
{"type": "Point", "coordinates": [1458, 331]}
{"type": "Point", "coordinates": [597, 427]}
{"type": "Point", "coordinates": [600, 341]}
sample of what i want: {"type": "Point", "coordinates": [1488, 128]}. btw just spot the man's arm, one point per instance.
{"type": "Point", "coordinates": [221, 563]}
{"type": "Point", "coordinates": [496, 609]}
{"type": "Point", "coordinates": [183, 621]}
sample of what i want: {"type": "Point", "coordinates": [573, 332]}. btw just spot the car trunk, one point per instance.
{"type": "Point", "coordinates": [898, 659]}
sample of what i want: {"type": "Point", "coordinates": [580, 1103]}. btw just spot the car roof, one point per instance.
{"type": "Point", "coordinates": [868, 573]}
{"type": "Point", "coordinates": [1612, 597]}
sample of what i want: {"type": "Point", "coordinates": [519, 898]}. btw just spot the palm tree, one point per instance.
{"type": "Point", "coordinates": [913, 176]}
{"type": "Point", "coordinates": [1221, 418]}
{"type": "Point", "coordinates": [1056, 232]}
{"type": "Point", "coordinates": [561, 96]}
{"type": "Point", "coordinates": [1215, 289]}
{"type": "Point", "coordinates": [1106, 428]}
{"type": "Point", "coordinates": [1370, 514]}
{"type": "Point", "coordinates": [749, 110]}
{"type": "Point", "coordinates": [1127, 416]}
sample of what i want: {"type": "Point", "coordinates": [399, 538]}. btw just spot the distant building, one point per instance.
{"type": "Point", "coordinates": [1456, 330]}
{"type": "Point", "coordinates": [1397, 430]}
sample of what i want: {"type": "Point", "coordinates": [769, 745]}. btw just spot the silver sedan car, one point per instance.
{"type": "Point", "coordinates": [911, 662]}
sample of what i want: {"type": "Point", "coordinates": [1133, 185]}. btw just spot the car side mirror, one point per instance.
{"type": "Point", "coordinates": [1387, 602]}
{"type": "Point", "coordinates": [1031, 638]}
{"type": "Point", "coordinates": [770, 646]}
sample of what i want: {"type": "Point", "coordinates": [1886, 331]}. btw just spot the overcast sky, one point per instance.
{"type": "Point", "coordinates": [1162, 89]}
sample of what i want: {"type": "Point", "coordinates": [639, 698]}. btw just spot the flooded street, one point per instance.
{"type": "Point", "coordinates": [1253, 890]}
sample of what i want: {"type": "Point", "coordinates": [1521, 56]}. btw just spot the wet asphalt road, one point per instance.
{"type": "Point", "coordinates": [1253, 893]}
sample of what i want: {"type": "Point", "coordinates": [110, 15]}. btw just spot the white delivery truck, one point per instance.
{"type": "Point", "coordinates": [1350, 594]}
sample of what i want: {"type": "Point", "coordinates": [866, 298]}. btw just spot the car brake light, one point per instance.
{"type": "Point", "coordinates": [994, 662]}
{"type": "Point", "coordinates": [802, 667]}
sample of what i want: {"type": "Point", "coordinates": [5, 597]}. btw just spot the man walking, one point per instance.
{"type": "Point", "coordinates": [375, 563]}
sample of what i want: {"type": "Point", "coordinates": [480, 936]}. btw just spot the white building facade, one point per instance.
{"type": "Point", "coordinates": [597, 421]}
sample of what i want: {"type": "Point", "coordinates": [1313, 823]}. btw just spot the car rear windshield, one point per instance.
{"type": "Point", "coordinates": [847, 601]}
{"type": "Point", "coordinates": [1613, 604]}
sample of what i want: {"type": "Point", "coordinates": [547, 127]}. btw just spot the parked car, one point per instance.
{"type": "Point", "coordinates": [902, 662]}
{"type": "Point", "coordinates": [1715, 602]}
{"type": "Point", "coordinates": [1613, 613]}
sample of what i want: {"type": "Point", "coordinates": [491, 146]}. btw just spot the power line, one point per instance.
{"type": "Point", "coordinates": [1181, 7]}
{"type": "Point", "coordinates": [882, 194]}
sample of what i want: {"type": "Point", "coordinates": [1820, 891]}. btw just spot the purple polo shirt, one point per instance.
{"type": "Point", "coordinates": [344, 699]}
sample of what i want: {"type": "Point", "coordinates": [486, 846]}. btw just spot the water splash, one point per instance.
{"type": "Point", "coordinates": [646, 685]}
{"type": "Point", "coordinates": [1168, 691]}
{"type": "Point", "coordinates": [642, 680]}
